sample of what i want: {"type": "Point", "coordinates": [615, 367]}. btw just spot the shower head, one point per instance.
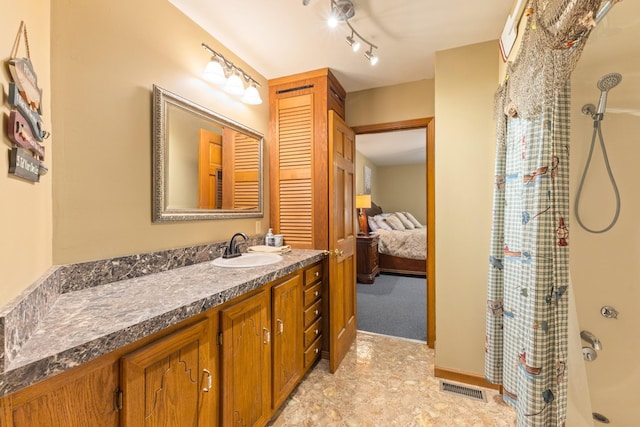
{"type": "Point", "coordinates": [605, 84]}
{"type": "Point", "coordinates": [609, 81]}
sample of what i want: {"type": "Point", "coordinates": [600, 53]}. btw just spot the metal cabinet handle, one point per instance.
{"type": "Point", "coordinates": [280, 325]}
{"type": "Point", "coordinates": [317, 273]}
{"type": "Point", "coordinates": [267, 335]}
{"type": "Point", "coordinates": [316, 350]}
{"type": "Point", "coordinates": [316, 312]}
{"type": "Point", "coordinates": [317, 331]}
{"type": "Point", "coordinates": [209, 380]}
{"type": "Point", "coordinates": [316, 293]}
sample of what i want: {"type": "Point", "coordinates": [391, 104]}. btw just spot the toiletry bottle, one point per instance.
{"type": "Point", "coordinates": [269, 240]}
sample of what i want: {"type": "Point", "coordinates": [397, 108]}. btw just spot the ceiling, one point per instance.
{"type": "Point", "coordinates": [283, 37]}
{"type": "Point", "coordinates": [403, 147]}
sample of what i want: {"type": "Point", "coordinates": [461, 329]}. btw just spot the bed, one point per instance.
{"type": "Point", "coordinates": [401, 251]}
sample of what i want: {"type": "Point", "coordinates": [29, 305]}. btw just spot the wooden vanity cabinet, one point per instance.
{"type": "Point", "coordinates": [232, 365]}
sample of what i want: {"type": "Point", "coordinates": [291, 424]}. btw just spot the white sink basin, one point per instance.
{"type": "Point", "coordinates": [247, 260]}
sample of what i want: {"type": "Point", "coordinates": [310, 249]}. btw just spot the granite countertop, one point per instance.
{"type": "Point", "coordinates": [88, 323]}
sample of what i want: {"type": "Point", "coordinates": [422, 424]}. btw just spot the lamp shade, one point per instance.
{"type": "Point", "coordinates": [234, 85]}
{"type": "Point", "coordinates": [214, 72]}
{"type": "Point", "coordinates": [363, 201]}
{"type": "Point", "coordinates": [251, 95]}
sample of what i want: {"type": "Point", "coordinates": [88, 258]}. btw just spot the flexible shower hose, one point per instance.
{"type": "Point", "coordinates": [597, 130]}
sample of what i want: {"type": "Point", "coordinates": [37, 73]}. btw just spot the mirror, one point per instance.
{"type": "Point", "coordinates": [205, 166]}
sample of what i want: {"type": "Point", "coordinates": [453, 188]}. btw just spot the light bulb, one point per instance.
{"type": "Point", "coordinates": [356, 46]}
{"type": "Point", "coordinates": [332, 22]}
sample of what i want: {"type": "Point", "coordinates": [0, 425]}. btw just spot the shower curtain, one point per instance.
{"type": "Point", "coordinates": [527, 307]}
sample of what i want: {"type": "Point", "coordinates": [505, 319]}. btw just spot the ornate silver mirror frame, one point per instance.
{"type": "Point", "coordinates": [164, 104]}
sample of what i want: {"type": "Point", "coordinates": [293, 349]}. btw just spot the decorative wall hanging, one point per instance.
{"type": "Point", "coordinates": [25, 128]}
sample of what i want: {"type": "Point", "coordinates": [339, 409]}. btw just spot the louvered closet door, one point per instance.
{"type": "Point", "coordinates": [294, 160]}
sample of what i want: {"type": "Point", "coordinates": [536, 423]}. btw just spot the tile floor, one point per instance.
{"type": "Point", "coordinates": [385, 381]}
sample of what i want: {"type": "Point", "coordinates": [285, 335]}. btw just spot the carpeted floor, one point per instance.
{"type": "Point", "coordinates": [394, 305]}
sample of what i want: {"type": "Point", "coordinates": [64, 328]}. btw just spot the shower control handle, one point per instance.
{"type": "Point", "coordinates": [609, 312]}
{"type": "Point", "coordinates": [591, 339]}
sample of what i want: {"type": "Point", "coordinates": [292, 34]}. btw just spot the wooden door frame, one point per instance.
{"type": "Point", "coordinates": [428, 124]}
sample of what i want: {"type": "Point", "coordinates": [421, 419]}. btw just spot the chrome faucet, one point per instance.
{"type": "Point", "coordinates": [232, 250]}
{"type": "Point", "coordinates": [591, 339]}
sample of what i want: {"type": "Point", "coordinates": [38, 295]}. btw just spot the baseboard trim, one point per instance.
{"type": "Point", "coordinates": [464, 377]}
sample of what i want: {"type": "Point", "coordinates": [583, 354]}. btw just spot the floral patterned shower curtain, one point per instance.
{"type": "Point", "coordinates": [527, 308]}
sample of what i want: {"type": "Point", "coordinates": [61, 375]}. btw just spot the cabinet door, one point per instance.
{"type": "Point", "coordinates": [287, 337]}
{"type": "Point", "coordinates": [169, 382]}
{"type": "Point", "coordinates": [292, 203]}
{"type": "Point", "coordinates": [78, 398]}
{"type": "Point", "coordinates": [246, 362]}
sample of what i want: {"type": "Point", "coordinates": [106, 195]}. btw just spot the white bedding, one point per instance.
{"type": "Point", "coordinates": [404, 244]}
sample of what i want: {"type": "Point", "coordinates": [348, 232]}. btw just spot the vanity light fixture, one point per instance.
{"type": "Point", "coordinates": [342, 11]}
{"type": "Point", "coordinates": [223, 72]}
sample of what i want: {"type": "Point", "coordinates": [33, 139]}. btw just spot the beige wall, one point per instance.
{"type": "Point", "coordinates": [361, 162]}
{"type": "Point", "coordinates": [404, 188]}
{"type": "Point", "coordinates": [391, 103]}
{"type": "Point", "coordinates": [605, 267]}
{"type": "Point", "coordinates": [106, 57]}
{"type": "Point", "coordinates": [383, 105]}
{"type": "Point", "coordinates": [466, 80]}
{"type": "Point", "coordinates": [26, 251]}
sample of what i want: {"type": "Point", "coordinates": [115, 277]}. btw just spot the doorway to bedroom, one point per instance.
{"type": "Point", "coordinates": [394, 165]}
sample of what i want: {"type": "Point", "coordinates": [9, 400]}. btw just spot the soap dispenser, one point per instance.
{"type": "Point", "coordinates": [269, 240]}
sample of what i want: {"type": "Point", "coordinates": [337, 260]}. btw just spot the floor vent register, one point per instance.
{"type": "Point", "coordinates": [461, 390]}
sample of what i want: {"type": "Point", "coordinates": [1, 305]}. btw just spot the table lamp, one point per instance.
{"type": "Point", "coordinates": [363, 201]}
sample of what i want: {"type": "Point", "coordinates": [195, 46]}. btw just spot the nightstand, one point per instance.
{"type": "Point", "coordinates": [367, 258]}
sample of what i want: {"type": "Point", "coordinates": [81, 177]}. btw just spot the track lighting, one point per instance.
{"type": "Point", "coordinates": [342, 11]}
{"type": "Point", "coordinates": [222, 72]}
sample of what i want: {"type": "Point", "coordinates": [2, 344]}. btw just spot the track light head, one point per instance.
{"type": "Point", "coordinates": [353, 42]}
{"type": "Point", "coordinates": [373, 59]}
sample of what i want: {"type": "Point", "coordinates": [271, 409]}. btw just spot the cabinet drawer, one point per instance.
{"type": "Point", "coordinates": [312, 332]}
{"type": "Point", "coordinates": [312, 294]}
{"type": "Point", "coordinates": [312, 353]}
{"type": "Point", "coordinates": [312, 274]}
{"type": "Point", "coordinates": [312, 313]}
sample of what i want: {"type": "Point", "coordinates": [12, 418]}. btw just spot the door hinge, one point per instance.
{"type": "Point", "coordinates": [118, 397]}
{"type": "Point", "coordinates": [219, 338]}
